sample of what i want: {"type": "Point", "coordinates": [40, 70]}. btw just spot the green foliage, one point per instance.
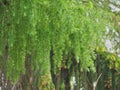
{"type": "Point", "coordinates": [37, 26]}
{"type": "Point", "coordinates": [112, 59]}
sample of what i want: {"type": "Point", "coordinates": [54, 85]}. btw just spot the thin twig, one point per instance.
{"type": "Point", "coordinates": [96, 82]}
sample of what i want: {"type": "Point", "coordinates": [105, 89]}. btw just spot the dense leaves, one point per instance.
{"type": "Point", "coordinates": [35, 28]}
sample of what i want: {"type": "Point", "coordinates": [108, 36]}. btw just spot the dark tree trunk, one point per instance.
{"type": "Point", "coordinates": [99, 70]}
{"type": "Point", "coordinates": [27, 78]}
{"type": "Point", "coordinates": [89, 81]}
{"type": "Point", "coordinates": [77, 73]}
{"type": "Point", "coordinates": [106, 76]}
{"type": "Point", "coordinates": [113, 80]}
{"type": "Point", "coordinates": [66, 76]}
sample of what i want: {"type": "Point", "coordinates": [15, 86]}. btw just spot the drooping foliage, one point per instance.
{"type": "Point", "coordinates": [34, 28]}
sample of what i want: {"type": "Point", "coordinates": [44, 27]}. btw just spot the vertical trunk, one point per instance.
{"type": "Point", "coordinates": [113, 80]}
{"type": "Point", "coordinates": [99, 70]}
{"type": "Point", "coordinates": [66, 78]}
{"type": "Point", "coordinates": [106, 76]}
{"type": "Point", "coordinates": [76, 70]}
{"type": "Point", "coordinates": [56, 78]}
{"type": "Point", "coordinates": [27, 78]}
{"type": "Point", "coordinates": [89, 81]}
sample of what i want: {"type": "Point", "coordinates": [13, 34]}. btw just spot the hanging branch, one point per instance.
{"type": "Point", "coordinates": [96, 82]}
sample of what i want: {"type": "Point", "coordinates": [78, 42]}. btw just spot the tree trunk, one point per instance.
{"type": "Point", "coordinates": [113, 80]}
{"type": "Point", "coordinates": [66, 76]}
{"type": "Point", "coordinates": [89, 81]}
{"type": "Point", "coordinates": [77, 73]}
{"type": "Point", "coordinates": [27, 78]}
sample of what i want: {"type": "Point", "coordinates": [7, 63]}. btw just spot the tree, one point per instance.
{"type": "Point", "coordinates": [43, 41]}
